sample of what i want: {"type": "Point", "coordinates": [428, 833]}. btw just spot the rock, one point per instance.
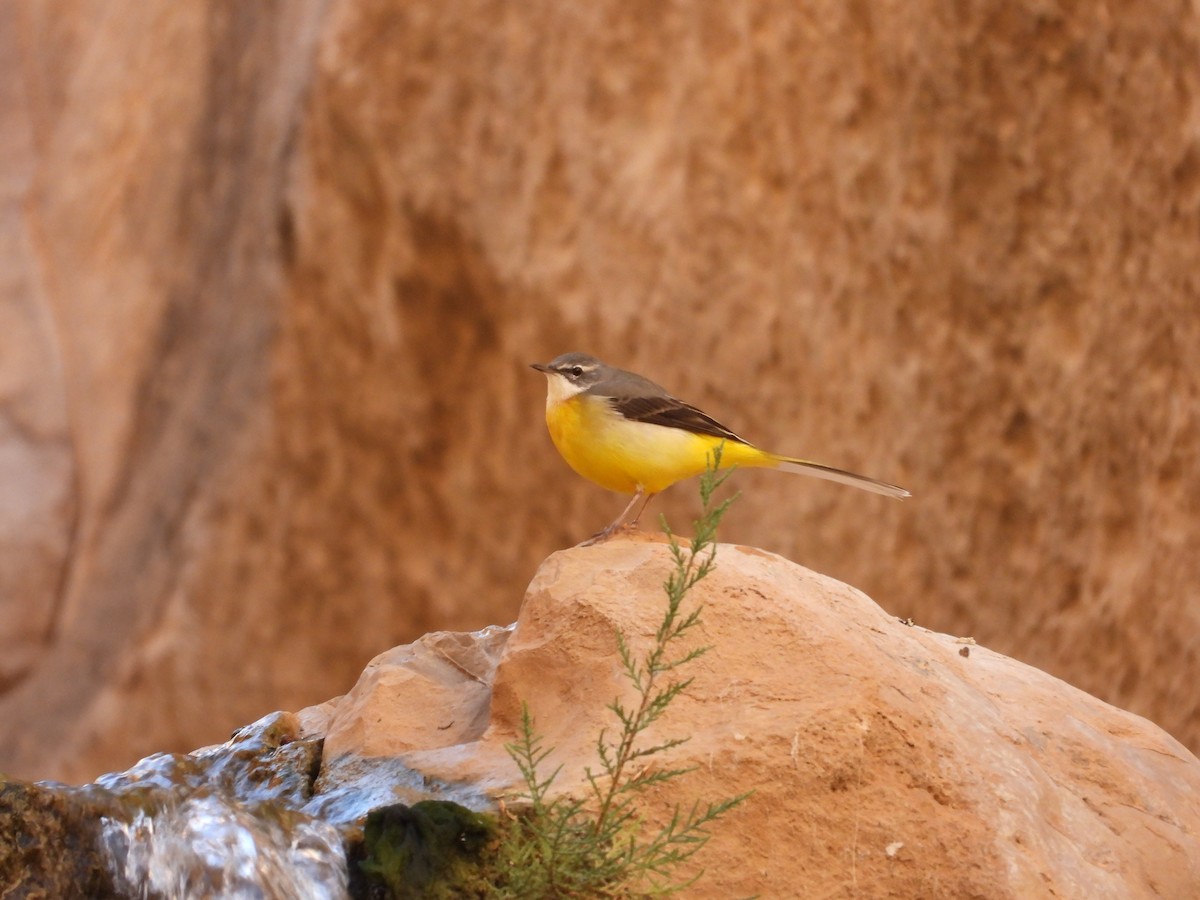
{"type": "Point", "coordinates": [883, 762]}
{"type": "Point", "coordinates": [50, 845]}
{"type": "Point", "coordinates": [37, 500]}
{"type": "Point", "coordinates": [451, 672]}
{"type": "Point", "coordinates": [138, 271]}
{"type": "Point", "coordinates": [270, 275]}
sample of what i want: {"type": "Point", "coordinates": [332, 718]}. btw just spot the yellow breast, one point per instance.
{"type": "Point", "coordinates": [621, 455]}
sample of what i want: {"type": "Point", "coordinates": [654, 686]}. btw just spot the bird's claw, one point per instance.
{"type": "Point", "coordinates": [605, 533]}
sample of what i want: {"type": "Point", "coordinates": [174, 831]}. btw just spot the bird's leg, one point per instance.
{"type": "Point", "coordinates": [619, 524]}
{"type": "Point", "coordinates": [633, 523]}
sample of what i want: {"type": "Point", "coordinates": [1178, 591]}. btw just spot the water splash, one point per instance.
{"type": "Point", "coordinates": [210, 847]}
{"type": "Point", "coordinates": [223, 822]}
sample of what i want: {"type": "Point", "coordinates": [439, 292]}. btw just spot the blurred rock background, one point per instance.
{"type": "Point", "coordinates": [271, 274]}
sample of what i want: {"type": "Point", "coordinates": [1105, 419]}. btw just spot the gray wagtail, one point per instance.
{"type": "Point", "coordinates": [627, 434]}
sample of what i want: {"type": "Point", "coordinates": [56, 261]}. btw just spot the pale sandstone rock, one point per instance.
{"type": "Point", "coordinates": [449, 674]}
{"type": "Point", "coordinates": [884, 762]}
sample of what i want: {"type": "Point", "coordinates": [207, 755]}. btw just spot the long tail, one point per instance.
{"type": "Point", "coordinates": [804, 467]}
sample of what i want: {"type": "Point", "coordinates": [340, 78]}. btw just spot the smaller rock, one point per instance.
{"type": "Point", "coordinates": [451, 673]}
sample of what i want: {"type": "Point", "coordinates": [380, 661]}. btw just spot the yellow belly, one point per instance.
{"type": "Point", "coordinates": [621, 455]}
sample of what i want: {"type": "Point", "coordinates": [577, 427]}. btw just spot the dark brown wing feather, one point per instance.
{"type": "Point", "coordinates": [671, 413]}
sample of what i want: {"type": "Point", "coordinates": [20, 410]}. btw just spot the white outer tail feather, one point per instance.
{"type": "Point", "coordinates": [816, 470]}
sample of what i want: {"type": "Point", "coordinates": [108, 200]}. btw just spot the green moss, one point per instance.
{"type": "Point", "coordinates": [433, 849]}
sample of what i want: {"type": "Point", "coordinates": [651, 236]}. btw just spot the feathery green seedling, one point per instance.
{"type": "Point", "coordinates": [598, 845]}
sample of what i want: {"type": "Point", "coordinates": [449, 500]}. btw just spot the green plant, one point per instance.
{"type": "Point", "coordinates": [597, 845]}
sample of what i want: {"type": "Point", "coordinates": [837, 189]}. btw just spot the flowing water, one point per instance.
{"type": "Point", "coordinates": [212, 846]}
{"type": "Point", "coordinates": [245, 820]}
{"type": "Point", "coordinates": [225, 822]}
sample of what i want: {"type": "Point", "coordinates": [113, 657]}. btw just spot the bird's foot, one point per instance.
{"type": "Point", "coordinates": [604, 534]}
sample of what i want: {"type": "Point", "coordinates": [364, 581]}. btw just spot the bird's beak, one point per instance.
{"type": "Point", "coordinates": [541, 367]}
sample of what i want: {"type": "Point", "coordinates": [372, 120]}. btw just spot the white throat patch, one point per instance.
{"type": "Point", "coordinates": [559, 389]}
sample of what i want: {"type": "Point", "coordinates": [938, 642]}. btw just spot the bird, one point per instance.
{"type": "Point", "coordinates": [627, 434]}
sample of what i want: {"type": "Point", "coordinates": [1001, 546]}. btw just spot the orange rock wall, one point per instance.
{"type": "Point", "coordinates": [271, 276]}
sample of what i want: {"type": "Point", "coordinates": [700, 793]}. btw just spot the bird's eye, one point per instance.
{"type": "Point", "coordinates": [576, 371]}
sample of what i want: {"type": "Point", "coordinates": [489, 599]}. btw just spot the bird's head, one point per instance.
{"type": "Point", "coordinates": [570, 374]}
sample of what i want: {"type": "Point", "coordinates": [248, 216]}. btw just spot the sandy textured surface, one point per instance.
{"type": "Point", "coordinates": [272, 276]}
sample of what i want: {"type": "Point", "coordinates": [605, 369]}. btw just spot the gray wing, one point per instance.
{"type": "Point", "coordinates": [671, 413]}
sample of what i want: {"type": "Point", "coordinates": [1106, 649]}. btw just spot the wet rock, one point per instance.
{"type": "Point", "coordinates": [221, 822]}
{"type": "Point", "coordinates": [50, 844]}
{"type": "Point", "coordinates": [267, 760]}
{"type": "Point", "coordinates": [226, 821]}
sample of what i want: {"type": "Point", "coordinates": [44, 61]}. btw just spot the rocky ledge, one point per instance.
{"type": "Point", "coordinates": [885, 760]}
